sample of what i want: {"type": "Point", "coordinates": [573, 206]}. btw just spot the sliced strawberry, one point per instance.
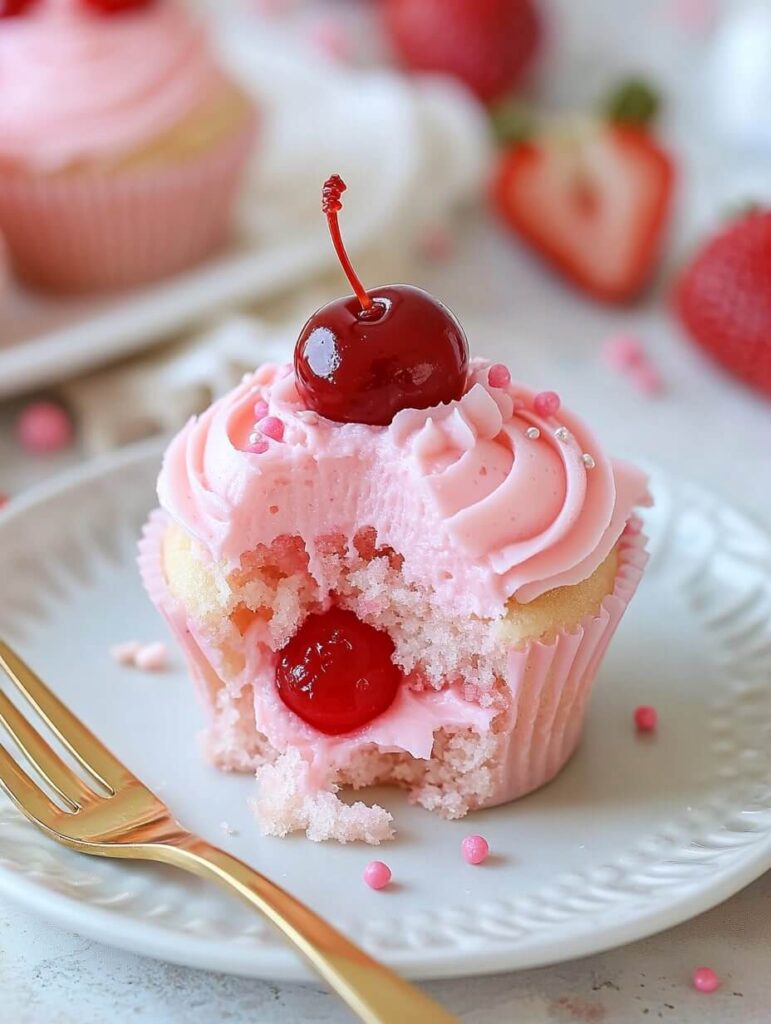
{"type": "Point", "coordinates": [594, 205]}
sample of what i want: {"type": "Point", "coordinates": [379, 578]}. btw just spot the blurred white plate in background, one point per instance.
{"type": "Point", "coordinates": [637, 834]}
{"type": "Point", "coordinates": [408, 151]}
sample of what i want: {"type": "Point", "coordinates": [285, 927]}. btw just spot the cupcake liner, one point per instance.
{"type": "Point", "coordinates": [551, 682]}
{"type": "Point", "coordinates": [99, 231]}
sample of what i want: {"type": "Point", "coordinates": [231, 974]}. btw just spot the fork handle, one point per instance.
{"type": "Point", "coordinates": [372, 991]}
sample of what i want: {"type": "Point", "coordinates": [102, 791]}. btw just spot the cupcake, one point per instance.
{"type": "Point", "coordinates": [389, 564]}
{"type": "Point", "coordinates": [122, 143]}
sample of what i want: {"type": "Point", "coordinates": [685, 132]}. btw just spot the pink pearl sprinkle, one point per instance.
{"type": "Point", "coordinates": [646, 378]}
{"type": "Point", "coordinates": [705, 980]}
{"type": "Point", "coordinates": [272, 427]}
{"type": "Point", "coordinates": [331, 39]}
{"type": "Point", "coordinates": [474, 849]}
{"type": "Point", "coordinates": [152, 657]}
{"type": "Point", "coordinates": [377, 875]}
{"type": "Point", "coordinates": [546, 403]}
{"type": "Point", "coordinates": [646, 718]}
{"type": "Point", "coordinates": [43, 427]}
{"type": "Point", "coordinates": [257, 447]}
{"type": "Point", "coordinates": [260, 409]}
{"type": "Point", "coordinates": [623, 351]}
{"type": "Point", "coordinates": [498, 376]}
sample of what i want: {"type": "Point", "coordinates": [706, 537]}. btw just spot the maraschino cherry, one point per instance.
{"type": "Point", "coordinates": [337, 672]}
{"type": "Point", "coordinates": [362, 358]}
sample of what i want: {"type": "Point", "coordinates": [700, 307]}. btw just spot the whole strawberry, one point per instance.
{"type": "Point", "coordinates": [723, 298]}
{"type": "Point", "coordinates": [488, 44]}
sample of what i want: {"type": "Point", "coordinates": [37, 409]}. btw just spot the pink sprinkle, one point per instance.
{"type": "Point", "coordinates": [546, 403]}
{"type": "Point", "coordinates": [474, 849]}
{"type": "Point", "coordinates": [646, 718]}
{"type": "Point", "coordinates": [623, 351]}
{"type": "Point", "coordinates": [436, 243]}
{"type": "Point", "coordinates": [647, 379]}
{"type": "Point", "coordinates": [499, 376]}
{"type": "Point", "coordinates": [43, 427]}
{"type": "Point", "coordinates": [331, 39]}
{"type": "Point", "coordinates": [705, 980]}
{"type": "Point", "coordinates": [260, 409]}
{"type": "Point", "coordinates": [257, 447]}
{"type": "Point", "coordinates": [125, 654]}
{"type": "Point", "coordinates": [377, 875]}
{"type": "Point", "coordinates": [693, 15]}
{"type": "Point", "coordinates": [4, 499]}
{"type": "Point", "coordinates": [272, 427]}
{"type": "Point", "coordinates": [152, 657]}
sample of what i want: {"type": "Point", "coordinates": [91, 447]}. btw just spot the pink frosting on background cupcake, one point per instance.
{"type": "Point", "coordinates": [122, 144]}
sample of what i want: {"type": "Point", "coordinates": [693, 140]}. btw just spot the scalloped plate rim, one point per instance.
{"type": "Point", "coordinates": [279, 964]}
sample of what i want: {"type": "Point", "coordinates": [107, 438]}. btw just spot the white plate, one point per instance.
{"type": "Point", "coordinates": [636, 834]}
{"type": "Point", "coordinates": [316, 118]}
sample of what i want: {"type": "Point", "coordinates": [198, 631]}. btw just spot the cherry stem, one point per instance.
{"type": "Point", "coordinates": [331, 205]}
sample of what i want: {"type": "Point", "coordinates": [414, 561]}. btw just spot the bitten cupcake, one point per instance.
{"type": "Point", "coordinates": [390, 564]}
{"type": "Point", "coordinates": [122, 142]}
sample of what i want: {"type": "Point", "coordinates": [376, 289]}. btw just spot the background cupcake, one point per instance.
{"type": "Point", "coordinates": [122, 143]}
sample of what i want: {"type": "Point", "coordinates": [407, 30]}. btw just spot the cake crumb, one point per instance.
{"type": "Point", "coordinates": [228, 829]}
{"type": "Point", "coordinates": [152, 657]}
{"type": "Point", "coordinates": [125, 653]}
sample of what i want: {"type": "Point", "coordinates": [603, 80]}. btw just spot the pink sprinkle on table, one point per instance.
{"type": "Point", "coordinates": [705, 980]}
{"type": "Point", "coordinates": [475, 849]}
{"type": "Point", "coordinates": [499, 376]}
{"type": "Point", "coordinates": [152, 657]}
{"type": "Point", "coordinates": [125, 653]}
{"type": "Point", "coordinates": [623, 351]}
{"type": "Point", "coordinates": [260, 409]}
{"type": "Point", "coordinates": [547, 403]}
{"type": "Point", "coordinates": [44, 427]}
{"type": "Point", "coordinates": [646, 718]}
{"type": "Point", "coordinates": [646, 378]}
{"type": "Point", "coordinates": [4, 499]}
{"type": "Point", "coordinates": [330, 37]}
{"type": "Point", "coordinates": [272, 427]}
{"type": "Point", "coordinates": [377, 875]}
{"type": "Point", "coordinates": [436, 243]}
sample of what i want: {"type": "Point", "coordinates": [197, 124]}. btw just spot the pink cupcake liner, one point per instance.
{"type": "Point", "coordinates": [99, 231]}
{"type": "Point", "coordinates": [550, 681]}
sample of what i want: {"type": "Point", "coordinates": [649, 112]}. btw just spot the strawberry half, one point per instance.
{"type": "Point", "coordinates": [723, 298]}
{"type": "Point", "coordinates": [594, 204]}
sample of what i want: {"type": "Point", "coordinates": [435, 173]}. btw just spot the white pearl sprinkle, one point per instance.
{"type": "Point", "coordinates": [533, 433]}
{"type": "Point", "coordinates": [255, 437]}
{"type": "Point", "coordinates": [562, 434]}
{"type": "Point", "coordinates": [588, 460]}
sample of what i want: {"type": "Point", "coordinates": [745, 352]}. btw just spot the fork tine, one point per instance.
{"type": "Point", "coordinates": [38, 752]}
{"type": "Point", "coordinates": [79, 740]}
{"type": "Point", "coordinates": [29, 797]}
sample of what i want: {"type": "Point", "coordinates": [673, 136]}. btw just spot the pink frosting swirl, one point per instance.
{"type": "Point", "coordinates": [485, 499]}
{"type": "Point", "coordinates": [76, 85]}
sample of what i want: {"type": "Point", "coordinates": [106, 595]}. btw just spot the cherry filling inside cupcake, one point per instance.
{"type": "Point", "coordinates": [337, 672]}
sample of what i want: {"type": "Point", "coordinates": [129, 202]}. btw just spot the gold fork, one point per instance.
{"type": "Point", "coordinates": [120, 817]}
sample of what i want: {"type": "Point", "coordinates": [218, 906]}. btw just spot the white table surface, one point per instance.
{"type": "Point", "coordinates": [705, 427]}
